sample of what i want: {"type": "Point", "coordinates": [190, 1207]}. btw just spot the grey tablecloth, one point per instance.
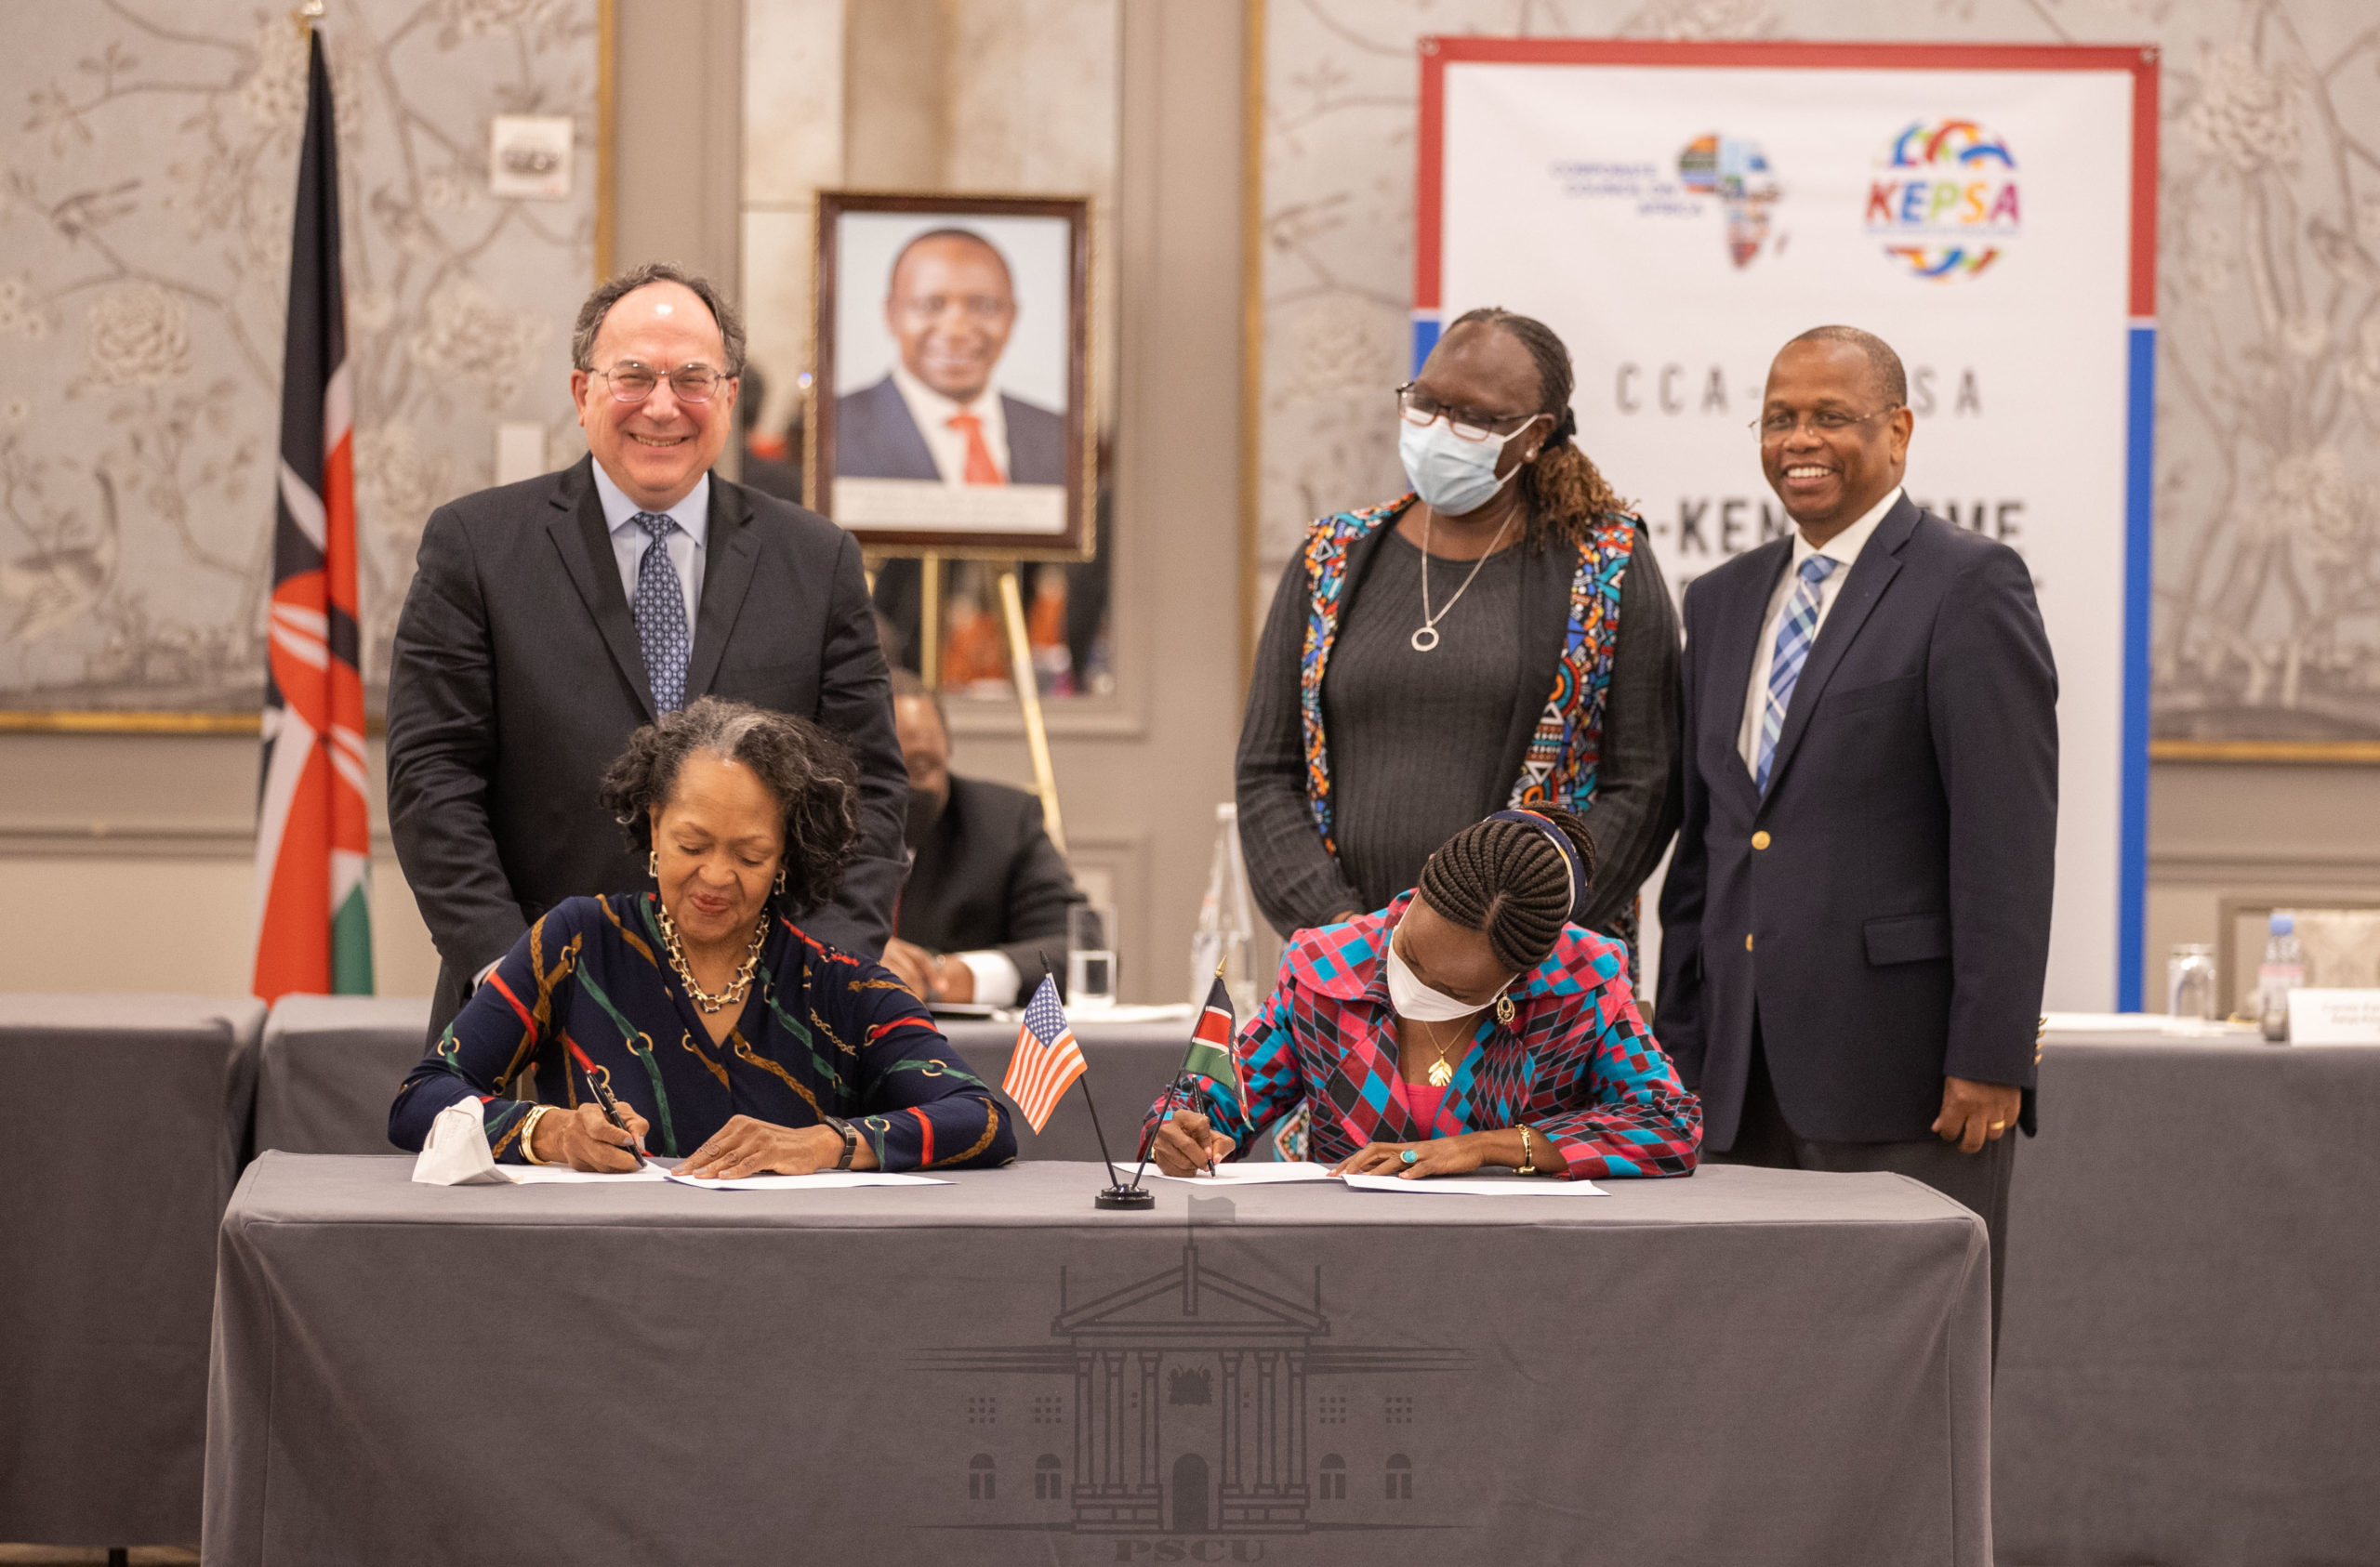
{"type": "Point", "coordinates": [2189, 1371]}
{"type": "Point", "coordinates": [127, 1114]}
{"type": "Point", "coordinates": [1749, 1366]}
{"type": "Point", "coordinates": [330, 1065]}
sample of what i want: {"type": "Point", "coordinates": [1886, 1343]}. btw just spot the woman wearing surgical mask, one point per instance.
{"type": "Point", "coordinates": [1500, 636]}
{"type": "Point", "coordinates": [1469, 1023]}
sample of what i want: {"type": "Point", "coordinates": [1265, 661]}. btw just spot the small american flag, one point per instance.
{"type": "Point", "coordinates": [1047, 1060]}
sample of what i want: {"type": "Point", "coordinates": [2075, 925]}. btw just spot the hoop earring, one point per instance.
{"type": "Point", "coordinates": [1505, 1011]}
{"type": "Point", "coordinates": [652, 863]}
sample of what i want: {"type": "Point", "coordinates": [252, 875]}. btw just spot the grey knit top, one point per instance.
{"type": "Point", "coordinates": [1419, 742]}
{"type": "Point", "coordinates": [1417, 739]}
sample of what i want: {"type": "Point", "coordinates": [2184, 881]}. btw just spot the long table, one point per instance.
{"type": "Point", "coordinates": [330, 1065]}
{"type": "Point", "coordinates": [127, 1117]}
{"type": "Point", "coordinates": [1747, 1365]}
{"type": "Point", "coordinates": [2189, 1369]}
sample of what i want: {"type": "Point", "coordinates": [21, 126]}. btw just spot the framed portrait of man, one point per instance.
{"type": "Point", "coordinates": [951, 411]}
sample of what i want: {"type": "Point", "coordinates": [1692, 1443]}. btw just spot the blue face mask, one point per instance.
{"type": "Point", "coordinates": [1454, 475]}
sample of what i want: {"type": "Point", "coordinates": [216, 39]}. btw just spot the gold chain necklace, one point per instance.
{"type": "Point", "coordinates": [736, 987]}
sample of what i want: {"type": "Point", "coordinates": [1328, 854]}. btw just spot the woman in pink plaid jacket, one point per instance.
{"type": "Point", "coordinates": [1469, 1023]}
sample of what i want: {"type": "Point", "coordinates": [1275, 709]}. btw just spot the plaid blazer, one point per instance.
{"type": "Point", "coordinates": [1576, 1064]}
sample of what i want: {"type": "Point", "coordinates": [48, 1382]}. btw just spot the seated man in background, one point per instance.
{"type": "Point", "coordinates": [984, 908]}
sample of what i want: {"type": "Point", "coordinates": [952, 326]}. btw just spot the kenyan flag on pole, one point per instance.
{"type": "Point", "coordinates": [1211, 1055]}
{"type": "Point", "coordinates": [314, 836]}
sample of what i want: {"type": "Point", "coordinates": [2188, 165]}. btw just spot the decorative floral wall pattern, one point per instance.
{"type": "Point", "coordinates": [2267, 546]}
{"type": "Point", "coordinates": [148, 159]}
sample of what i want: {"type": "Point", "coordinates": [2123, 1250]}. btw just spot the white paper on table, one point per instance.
{"type": "Point", "coordinates": [563, 1175]}
{"type": "Point", "coordinates": [1478, 1186]}
{"type": "Point", "coordinates": [1268, 1173]}
{"type": "Point", "coordinates": [456, 1151]}
{"type": "Point", "coordinates": [1131, 1013]}
{"type": "Point", "coordinates": [820, 1180]}
{"type": "Point", "coordinates": [2103, 1022]}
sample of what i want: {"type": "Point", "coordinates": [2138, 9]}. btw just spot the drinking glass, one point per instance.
{"type": "Point", "coordinates": [1091, 956]}
{"type": "Point", "coordinates": [2190, 982]}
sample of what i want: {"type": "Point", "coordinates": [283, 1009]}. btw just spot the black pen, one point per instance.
{"type": "Point", "coordinates": [610, 1107]}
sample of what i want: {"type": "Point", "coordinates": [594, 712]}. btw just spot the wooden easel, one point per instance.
{"type": "Point", "coordinates": [1021, 672]}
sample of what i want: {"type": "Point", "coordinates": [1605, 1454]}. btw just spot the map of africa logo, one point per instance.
{"type": "Point", "coordinates": [1735, 171]}
{"type": "Point", "coordinates": [1946, 205]}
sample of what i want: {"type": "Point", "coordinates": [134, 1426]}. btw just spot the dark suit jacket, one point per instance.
{"type": "Point", "coordinates": [875, 438]}
{"type": "Point", "coordinates": [517, 678]}
{"type": "Point", "coordinates": [1895, 928]}
{"type": "Point", "coordinates": [987, 875]}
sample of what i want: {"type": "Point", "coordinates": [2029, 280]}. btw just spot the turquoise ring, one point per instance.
{"type": "Point", "coordinates": [1409, 1156]}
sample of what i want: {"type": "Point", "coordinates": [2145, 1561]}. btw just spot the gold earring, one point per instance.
{"type": "Point", "coordinates": [1505, 1009]}
{"type": "Point", "coordinates": [652, 863]}
{"type": "Point", "coordinates": [780, 881]}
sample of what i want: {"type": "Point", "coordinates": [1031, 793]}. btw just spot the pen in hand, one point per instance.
{"type": "Point", "coordinates": [611, 1106]}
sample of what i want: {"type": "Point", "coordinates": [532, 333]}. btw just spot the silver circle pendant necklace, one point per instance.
{"type": "Point", "coordinates": [1427, 636]}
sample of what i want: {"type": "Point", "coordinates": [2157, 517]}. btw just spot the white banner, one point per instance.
{"type": "Point", "coordinates": [1676, 213]}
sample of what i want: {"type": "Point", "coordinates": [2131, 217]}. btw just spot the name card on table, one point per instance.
{"type": "Point", "coordinates": [2334, 1017]}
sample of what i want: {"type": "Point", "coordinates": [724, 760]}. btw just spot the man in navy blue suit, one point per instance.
{"type": "Point", "coordinates": [1856, 922]}
{"type": "Point", "coordinates": [939, 416]}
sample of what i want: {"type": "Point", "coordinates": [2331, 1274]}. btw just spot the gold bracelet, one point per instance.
{"type": "Point", "coordinates": [1529, 1155]}
{"type": "Point", "coordinates": [529, 1133]}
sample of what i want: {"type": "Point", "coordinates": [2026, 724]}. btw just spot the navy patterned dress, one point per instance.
{"type": "Point", "coordinates": [588, 992]}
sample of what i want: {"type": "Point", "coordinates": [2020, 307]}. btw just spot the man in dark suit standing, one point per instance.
{"type": "Point", "coordinates": [1855, 923]}
{"type": "Point", "coordinates": [984, 911]}
{"type": "Point", "coordinates": [550, 619]}
{"type": "Point", "coordinates": [938, 415]}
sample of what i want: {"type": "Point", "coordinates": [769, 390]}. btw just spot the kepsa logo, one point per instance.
{"type": "Point", "coordinates": [1946, 205]}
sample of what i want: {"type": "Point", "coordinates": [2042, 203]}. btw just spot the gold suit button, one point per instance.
{"type": "Point", "coordinates": [1760, 840]}
{"type": "Point", "coordinates": [1747, 940]}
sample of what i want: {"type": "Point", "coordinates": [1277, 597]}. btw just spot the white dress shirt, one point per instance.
{"type": "Point", "coordinates": [689, 546]}
{"type": "Point", "coordinates": [931, 413]}
{"type": "Point", "coordinates": [996, 980]}
{"type": "Point", "coordinates": [1844, 549]}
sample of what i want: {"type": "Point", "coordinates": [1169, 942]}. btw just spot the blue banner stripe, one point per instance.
{"type": "Point", "coordinates": [2140, 483]}
{"type": "Point", "coordinates": [1425, 337]}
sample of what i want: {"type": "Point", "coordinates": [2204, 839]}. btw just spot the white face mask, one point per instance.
{"type": "Point", "coordinates": [1415, 1000]}
{"type": "Point", "coordinates": [1454, 475]}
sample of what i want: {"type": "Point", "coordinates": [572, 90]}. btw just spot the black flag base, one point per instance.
{"type": "Point", "coordinates": [1131, 1198]}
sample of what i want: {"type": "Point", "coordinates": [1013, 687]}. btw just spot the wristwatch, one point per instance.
{"type": "Point", "coordinates": [849, 1135]}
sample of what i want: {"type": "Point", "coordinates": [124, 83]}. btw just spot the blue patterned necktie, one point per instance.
{"type": "Point", "coordinates": [1795, 634]}
{"type": "Point", "coordinates": [661, 615]}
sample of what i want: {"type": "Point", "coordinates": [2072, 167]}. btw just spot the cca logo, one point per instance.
{"type": "Point", "coordinates": [1947, 205]}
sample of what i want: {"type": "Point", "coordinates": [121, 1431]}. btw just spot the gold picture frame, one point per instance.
{"type": "Point", "coordinates": [1080, 464]}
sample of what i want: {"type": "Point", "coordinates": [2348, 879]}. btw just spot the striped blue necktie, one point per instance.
{"type": "Point", "coordinates": [660, 610]}
{"type": "Point", "coordinates": [1795, 634]}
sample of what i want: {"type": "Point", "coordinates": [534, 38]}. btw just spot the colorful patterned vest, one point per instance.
{"type": "Point", "coordinates": [1559, 766]}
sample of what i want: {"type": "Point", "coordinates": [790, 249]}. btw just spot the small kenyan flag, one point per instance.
{"type": "Point", "coordinates": [1211, 1055]}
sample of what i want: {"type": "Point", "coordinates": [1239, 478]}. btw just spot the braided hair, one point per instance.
{"type": "Point", "coordinates": [1507, 880]}
{"type": "Point", "coordinates": [1564, 491]}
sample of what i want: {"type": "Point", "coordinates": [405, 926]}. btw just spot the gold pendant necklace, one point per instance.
{"type": "Point", "coordinates": [1440, 1073]}
{"type": "Point", "coordinates": [736, 988]}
